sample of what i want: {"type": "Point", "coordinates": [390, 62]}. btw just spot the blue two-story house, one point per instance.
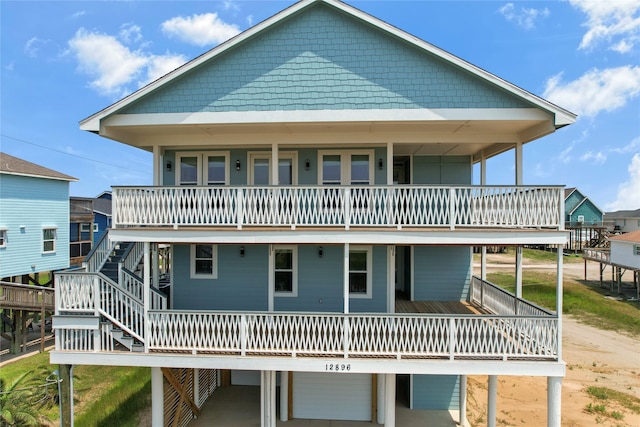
{"type": "Point", "coordinates": [34, 219]}
{"type": "Point", "coordinates": [312, 195]}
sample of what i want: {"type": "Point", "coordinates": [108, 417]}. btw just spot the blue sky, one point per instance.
{"type": "Point", "coordinates": [61, 61]}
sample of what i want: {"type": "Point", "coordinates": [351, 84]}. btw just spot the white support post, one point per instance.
{"type": "Point", "coordinates": [268, 398]}
{"type": "Point", "coordinates": [345, 291]}
{"type": "Point", "coordinates": [483, 263]}
{"type": "Point", "coordinates": [381, 389]}
{"type": "Point", "coordinates": [97, 334]}
{"type": "Point", "coordinates": [389, 163]}
{"type": "Point", "coordinates": [196, 386]}
{"type": "Point", "coordinates": [275, 176]}
{"type": "Point", "coordinates": [391, 282]}
{"type": "Point", "coordinates": [157, 165]}
{"type": "Point", "coordinates": [145, 296]}
{"type": "Point", "coordinates": [559, 298]}
{"type": "Point", "coordinates": [390, 400]}
{"type": "Point", "coordinates": [518, 272]}
{"type": "Point", "coordinates": [492, 397]}
{"type": "Point", "coordinates": [156, 266]}
{"type": "Point", "coordinates": [519, 170]}
{"type": "Point", "coordinates": [463, 401]}
{"type": "Point", "coordinates": [284, 396]}
{"type": "Point", "coordinates": [554, 401]}
{"type": "Point", "coordinates": [157, 398]}
{"type": "Point", "coordinates": [271, 279]}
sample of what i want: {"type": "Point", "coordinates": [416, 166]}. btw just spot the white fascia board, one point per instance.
{"type": "Point", "coordinates": [309, 364]}
{"type": "Point", "coordinates": [86, 322]}
{"type": "Point", "coordinates": [299, 236]}
{"type": "Point", "coordinates": [329, 116]}
{"type": "Point", "coordinates": [30, 175]}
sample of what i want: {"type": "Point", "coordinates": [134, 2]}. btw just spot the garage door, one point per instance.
{"type": "Point", "coordinates": [332, 396]}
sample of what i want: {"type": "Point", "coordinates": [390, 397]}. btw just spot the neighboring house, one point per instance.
{"type": "Point", "coordinates": [81, 229]}
{"type": "Point", "coordinates": [312, 181]}
{"type": "Point", "coordinates": [625, 250]}
{"type": "Point", "coordinates": [34, 219]}
{"type": "Point", "coordinates": [623, 221]}
{"type": "Point", "coordinates": [101, 215]}
{"type": "Point", "coordinates": [579, 210]}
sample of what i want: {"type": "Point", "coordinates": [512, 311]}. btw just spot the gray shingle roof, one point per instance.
{"type": "Point", "coordinates": [15, 166]}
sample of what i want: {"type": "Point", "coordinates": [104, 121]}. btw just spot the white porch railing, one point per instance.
{"type": "Point", "coordinates": [599, 255]}
{"type": "Point", "coordinates": [496, 300]}
{"type": "Point", "coordinates": [99, 254]}
{"type": "Point", "coordinates": [371, 206]}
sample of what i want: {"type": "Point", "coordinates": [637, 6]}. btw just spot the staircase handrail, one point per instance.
{"type": "Point", "coordinates": [99, 254]}
{"type": "Point", "coordinates": [133, 284]}
{"type": "Point", "coordinates": [132, 255]}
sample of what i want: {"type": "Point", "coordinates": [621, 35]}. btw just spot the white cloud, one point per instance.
{"type": "Point", "coordinates": [596, 91]}
{"type": "Point", "coordinates": [113, 66]}
{"type": "Point", "coordinates": [200, 30]}
{"type": "Point", "coordinates": [78, 14]}
{"type": "Point", "coordinates": [130, 33]}
{"type": "Point", "coordinates": [616, 22]}
{"type": "Point", "coordinates": [525, 17]}
{"type": "Point", "coordinates": [595, 158]}
{"type": "Point", "coordinates": [633, 146]}
{"type": "Point", "coordinates": [250, 20]}
{"type": "Point", "coordinates": [10, 66]}
{"type": "Point", "coordinates": [33, 46]}
{"type": "Point", "coordinates": [230, 5]}
{"type": "Point", "coordinates": [628, 196]}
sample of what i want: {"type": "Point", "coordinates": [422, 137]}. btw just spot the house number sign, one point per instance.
{"type": "Point", "coordinates": [337, 367]}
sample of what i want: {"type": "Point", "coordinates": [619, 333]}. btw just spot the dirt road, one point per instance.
{"type": "Point", "coordinates": [594, 358]}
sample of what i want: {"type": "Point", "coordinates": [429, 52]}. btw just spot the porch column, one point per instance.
{"type": "Point", "coordinates": [554, 400]}
{"type": "Point", "coordinates": [492, 397]}
{"type": "Point", "coordinates": [268, 398]}
{"type": "Point", "coordinates": [157, 165]}
{"type": "Point", "coordinates": [518, 272]}
{"type": "Point", "coordinates": [145, 295]}
{"type": "Point", "coordinates": [483, 249]}
{"type": "Point", "coordinates": [196, 386]}
{"type": "Point", "coordinates": [463, 401]}
{"type": "Point", "coordinates": [284, 396]}
{"type": "Point", "coordinates": [381, 394]}
{"type": "Point", "coordinates": [275, 176]}
{"type": "Point", "coordinates": [271, 279]}
{"type": "Point", "coordinates": [156, 267]}
{"type": "Point", "coordinates": [519, 171]}
{"type": "Point", "coordinates": [345, 283]}
{"type": "Point", "coordinates": [391, 282]}
{"type": "Point", "coordinates": [157, 398]}
{"type": "Point", "coordinates": [390, 400]}
{"type": "Point", "coordinates": [559, 298]}
{"type": "Point", "coordinates": [389, 163]}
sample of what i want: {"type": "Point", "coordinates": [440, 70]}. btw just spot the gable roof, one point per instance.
{"type": "Point", "coordinates": [102, 206]}
{"type": "Point", "coordinates": [14, 166]}
{"type": "Point", "coordinates": [568, 192]}
{"type": "Point", "coordinates": [623, 214]}
{"type": "Point", "coordinates": [561, 116]}
{"type": "Point", "coordinates": [633, 236]}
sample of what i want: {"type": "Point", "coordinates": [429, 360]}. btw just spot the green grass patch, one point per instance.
{"type": "Point", "coordinates": [104, 395]}
{"type": "Point", "coordinates": [587, 303]}
{"type": "Point", "coordinates": [625, 400]}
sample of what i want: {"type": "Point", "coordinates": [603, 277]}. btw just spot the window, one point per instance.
{"type": "Point", "coordinates": [204, 263]}
{"type": "Point", "coordinates": [48, 240]}
{"type": "Point", "coordinates": [345, 168]}
{"type": "Point", "coordinates": [3, 237]}
{"type": "Point", "coordinates": [197, 168]}
{"type": "Point", "coordinates": [360, 272]}
{"type": "Point", "coordinates": [85, 227]}
{"type": "Point", "coordinates": [580, 218]}
{"type": "Point", "coordinates": [285, 271]}
{"type": "Point", "coordinates": [260, 168]}
{"type": "Point", "coordinates": [636, 250]}
{"type": "Point", "coordinates": [95, 227]}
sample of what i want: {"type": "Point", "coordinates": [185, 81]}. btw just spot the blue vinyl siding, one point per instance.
{"type": "Point", "coordinates": [437, 392]}
{"type": "Point", "coordinates": [572, 201]}
{"type": "Point", "coordinates": [442, 170]}
{"type": "Point", "coordinates": [322, 59]}
{"type": "Point", "coordinates": [442, 273]}
{"type": "Point", "coordinates": [590, 212]}
{"type": "Point", "coordinates": [101, 221]}
{"type": "Point", "coordinates": [241, 284]}
{"type": "Point", "coordinates": [34, 203]}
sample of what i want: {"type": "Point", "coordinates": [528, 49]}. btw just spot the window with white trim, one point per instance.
{"type": "Point", "coordinates": [285, 271]}
{"type": "Point", "coordinates": [346, 167]}
{"type": "Point", "coordinates": [204, 261]}
{"type": "Point", "coordinates": [360, 277]}
{"type": "Point", "coordinates": [202, 168]}
{"type": "Point", "coordinates": [95, 227]}
{"type": "Point", "coordinates": [260, 163]}
{"type": "Point", "coordinates": [3, 237]}
{"type": "Point", "coordinates": [85, 227]}
{"type": "Point", "coordinates": [48, 240]}
{"type": "Point", "coordinates": [636, 250]}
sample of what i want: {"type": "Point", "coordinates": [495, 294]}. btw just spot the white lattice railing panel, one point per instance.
{"type": "Point", "coordinates": [379, 206]}
{"type": "Point", "coordinates": [75, 292]}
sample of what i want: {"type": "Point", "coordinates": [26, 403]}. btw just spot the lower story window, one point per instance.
{"type": "Point", "coordinates": [48, 240]}
{"type": "Point", "coordinates": [285, 274]}
{"type": "Point", "coordinates": [360, 272]}
{"type": "Point", "coordinates": [3, 237]}
{"type": "Point", "coordinates": [204, 262]}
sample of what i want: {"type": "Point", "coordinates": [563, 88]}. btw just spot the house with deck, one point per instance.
{"type": "Point", "coordinates": [312, 181]}
{"type": "Point", "coordinates": [584, 221]}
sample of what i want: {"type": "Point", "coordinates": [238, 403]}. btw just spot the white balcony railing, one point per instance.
{"type": "Point", "coordinates": [370, 206]}
{"type": "Point", "coordinates": [453, 337]}
{"type": "Point", "coordinates": [600, 255]}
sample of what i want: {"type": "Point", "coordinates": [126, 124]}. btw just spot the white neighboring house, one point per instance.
{"type": "Point", "coordinates": [623, 221]}
{"type": "Point", "coordinates": [625, 250]}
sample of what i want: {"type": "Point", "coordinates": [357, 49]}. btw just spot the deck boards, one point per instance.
{"type": "Point", "coordinates": [437, 307]}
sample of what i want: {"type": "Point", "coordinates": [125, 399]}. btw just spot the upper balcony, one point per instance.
{"type": "Point", "coordinates": [344, 207]}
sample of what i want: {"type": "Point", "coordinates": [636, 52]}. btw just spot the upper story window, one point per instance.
{"type": "Point", "coordinates": [85, 227]}
{"type": "Point", "coordinates": [346, 167]}
{"type": "Point", "coordinates": [636, 250]}
{"type": "Point", "coordinates": [208, 168]}
{"type": "Point", "coordinates": [285, 271]}
{"type": "Point", "coordinates": [260, 163]}
{"type": "Point", "coordinates": [3, 237]}
{"type": "Point", "coordinates": [49, 240]}
{"type": "Point", "coordinates": [204, 262]}
{"type": "Point", "coordinates": [360, 274]}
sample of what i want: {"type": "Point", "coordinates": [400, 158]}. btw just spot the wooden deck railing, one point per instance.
{"type": "Point", "coordinates": [352, 206]}
{"type": "Point", "coordinates": [26, 297]}
{"type": "Point", "coordinates": [599, 255]}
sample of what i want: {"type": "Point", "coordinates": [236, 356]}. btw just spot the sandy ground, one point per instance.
{"type": "Point", "coordinates": [593, 357]}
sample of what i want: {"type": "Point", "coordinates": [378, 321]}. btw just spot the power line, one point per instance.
{"type": "Point", "coordinates": [64, 152]}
